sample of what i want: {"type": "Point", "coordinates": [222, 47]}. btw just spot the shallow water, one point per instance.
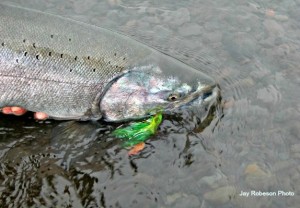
{"type": "Point", "coordinates": [250, 143]}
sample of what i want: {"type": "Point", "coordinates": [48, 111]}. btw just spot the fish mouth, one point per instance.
{"type": "Point", "coordinates": [204, 95]}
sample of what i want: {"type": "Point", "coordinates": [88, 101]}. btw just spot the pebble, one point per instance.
{"type": "Point", "coordinates": [114, 2]}
{"type": "Point", "coordinates": [282, 18]}
{"type": "Point", "coordinates": [295, 148]}
{"type": "Point", "coordinates": [255, 8]}
{"type": "Point", "coordinates": [260, 72]}
{"type": "Point", "coordinates": [295, 130]}
{"type": "Point", "coordinates": [247, 202]}
{"type": "Point", "coordinates": [247, 82]}
{"type": "Point", "coordinates": [172, 198]}
{"type": "Point", "coordinates": [190, 29]}
{"type": "Point", "coordinates": [220, 195]}
{"type": "Point", "coordinates": [115, 15]}
{"type": "Point", "coordinates": [254, 169]}
{"type": "Point", "coordinates": [152, 20]}
{"type": "Point", "coordinates": [282, 51]}
{"type": "Point", "coordinates": [257, 178]}
{"type": "Point", "coordinates": [273, 28]}
{"type": "Point", "coordinates": [131, 23]}
{"type": "Point", "coordinates": [189, 201]}
{"type": "Point", "coordinates": [83, 6]}
{"type": "Point", "coordinates": [211, 38]}
{"type": "Point", "coordinates": [285, 115]}
{"type": "Point", "coordinates": [147, 179]}
{"type": "Point", "coordinates": [178, 17]}
{"type": "Point", "coordinates": [269, 95]}
{"type": "Point", "coordinates": [282, 165]}
{"type": "Point", "coordinates": [240, 46]}
{"type": "Point", "coordinates": [183, 200]}
{"type": "Point", "coordinates": [213, 181]}
{"type": "Point", "coordinates": [296, 155]}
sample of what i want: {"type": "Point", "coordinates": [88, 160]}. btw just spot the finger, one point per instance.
{"type": "Point", "coordinates": [18, 111]}
{"type": "Point", "coordinates": [40, 116]}
{"type": "Point", "coordinates": [7, 110]}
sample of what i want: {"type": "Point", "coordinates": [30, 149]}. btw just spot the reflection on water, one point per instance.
{"type": "Point", "coordinates": [72, 163]}
{"type": "Point", "coordinates": [249, 142]}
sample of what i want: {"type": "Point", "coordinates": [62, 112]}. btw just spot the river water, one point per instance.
{"type": "Point", "coordinates": [249, 143]}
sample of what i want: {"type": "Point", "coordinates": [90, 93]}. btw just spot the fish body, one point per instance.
{"type": "Point", "coordinates": [72, 70]}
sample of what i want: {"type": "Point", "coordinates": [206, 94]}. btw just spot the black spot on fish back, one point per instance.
{"type": "Point", "coordinates": [34, 45]}
{"type": "Point", "coordinates": [24, 40]}
{"type": "Point", "coordinates": [51, 36]}
{"type": "Point", "coordinates": [2, 43]}
{"type": "Point", "coordinates": [37, 57]}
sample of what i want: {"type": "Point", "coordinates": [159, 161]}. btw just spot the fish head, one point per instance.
{"type": "Point", "coordinates": [149, 88]}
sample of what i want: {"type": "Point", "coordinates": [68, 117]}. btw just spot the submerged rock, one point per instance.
{"type": "Point", "coordinates": [220, 195]}
{"type": "Point", "coordinates": [190, 29]}
{"type": "Point", "coordinates": [257, 178]}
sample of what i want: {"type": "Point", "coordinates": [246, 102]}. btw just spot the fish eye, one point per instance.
{"type": "Point", "coordinates": [173, 97]}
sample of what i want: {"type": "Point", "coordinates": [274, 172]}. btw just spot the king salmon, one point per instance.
{"type": "Point", "coordinates": [72, 70]}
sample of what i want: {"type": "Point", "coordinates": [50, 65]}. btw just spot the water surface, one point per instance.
{"type": "Point", "coordinates": [251, 142]}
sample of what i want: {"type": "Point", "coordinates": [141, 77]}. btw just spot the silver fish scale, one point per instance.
{"type": "Point", "coordinates": [59, 66]}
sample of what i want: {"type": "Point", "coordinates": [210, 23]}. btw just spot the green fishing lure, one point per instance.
{"type": "Point", "coordinates": [138, 132]}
